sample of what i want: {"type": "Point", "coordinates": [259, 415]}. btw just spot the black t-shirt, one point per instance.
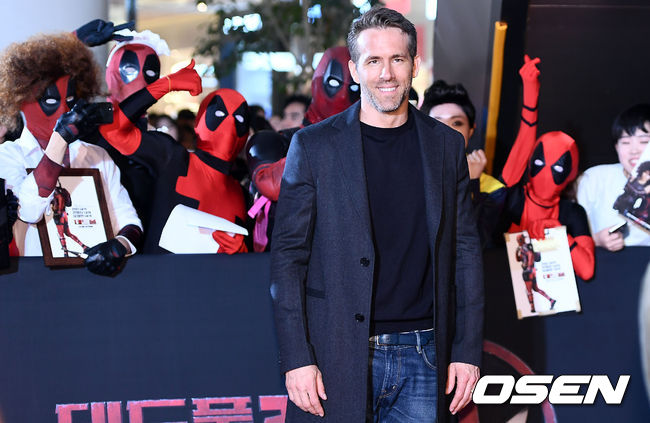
{"type": "Point", "coordinates": [403, 285]}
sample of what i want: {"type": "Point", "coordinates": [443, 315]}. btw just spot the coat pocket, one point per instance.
{"type": "Point", "coordinates": [312, 292]}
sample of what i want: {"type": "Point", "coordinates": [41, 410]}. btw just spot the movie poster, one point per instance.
{"type": "Point", "coordinates": [74, 218]}
{"type": "Point", "coordinates": [634, 203]}
{"type": "Point", "coordinates": [542, 275]}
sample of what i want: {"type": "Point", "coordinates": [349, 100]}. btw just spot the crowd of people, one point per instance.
{"type": "Point", "coordinates": [228, 159]}
{"type": "Point", "coordinates": [352, 160]}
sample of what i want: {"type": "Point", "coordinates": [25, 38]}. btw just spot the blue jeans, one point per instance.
{"type": "Point", "coordinates": [404, 383]}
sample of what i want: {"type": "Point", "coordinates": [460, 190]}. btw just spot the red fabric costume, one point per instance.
{"type": "Point", "coordinates": [333, 90]}
{"type": "Point", "coordinates": [332, 87]}
{"type": "Point", "coordinates": [198, 179]}
{"type": "Point", "coordinates": [551, 163]}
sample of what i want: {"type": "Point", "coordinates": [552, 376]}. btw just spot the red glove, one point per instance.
{"type": "Point", "coordinates": [536, 228]}
{"type": "Point", "coordinates": [268, 177]}
{"type": "Point", "coordinates": [530, 78]}
{"type": "Point", "coordinates": [229, 244]}
{"type": "Point", "coordinates": [582, 255]}
{"type": "Point", "coordinates": [185, 79]}
{"type": "Point", "coordinates": [522, 148]}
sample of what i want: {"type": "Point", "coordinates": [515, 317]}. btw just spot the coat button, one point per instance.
{"type": "Point", "coordinates": [359, 317]}
{"type": "Point", "coordinates": [364, 262]}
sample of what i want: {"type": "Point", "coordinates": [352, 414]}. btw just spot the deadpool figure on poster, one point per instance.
{"type": "Point", "coordinates": [527, 256]}
{"type": "Point", "coordinates": [60, 201]}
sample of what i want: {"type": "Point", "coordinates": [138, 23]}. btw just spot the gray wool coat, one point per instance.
{"type": "Point", "coordinates": [323, 260]}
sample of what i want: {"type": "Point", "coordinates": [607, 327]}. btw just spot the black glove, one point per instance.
{"type": "Point", "coordinates": [106, 258]}
{"type": "Point", "coordinates": [99, 32]}
{"type": "Point", "coordinates": [82, 119]}
{"type": "Point", "coordinates": [12, 210]}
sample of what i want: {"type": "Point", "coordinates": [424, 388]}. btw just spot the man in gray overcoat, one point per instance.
{"type": "Point", "coordinates": [376, 273]}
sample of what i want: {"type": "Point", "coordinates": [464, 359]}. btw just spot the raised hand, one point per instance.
{"type": "Point", "coordinates": [476, 161]}
{"type": "Point", "coordinates": [80, 120]}
{"type": "Point", "coordinates": [98, 31]}
{"type": "Point", "coordinates": [530, 78]}
{"type": "Point", "coordinates": [186, 79]}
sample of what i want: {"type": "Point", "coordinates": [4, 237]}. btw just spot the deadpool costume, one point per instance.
{"type": "Point", "coordinates": [332, 87]}
{"type": "Point", "coordinates": [198, 179]}
{"type": "Point", "coordinates": [49, 143]}
{"type": "Point", "coordinates": [527, 256]}
{"type": "Point", "coordinates": [333, 90]}
{"type": "Point", "coordinates": [536, 173]}
{"type": "Point", "coordinates": [60, 201]}
{"type": "Point", "coordinates": [133, 63]}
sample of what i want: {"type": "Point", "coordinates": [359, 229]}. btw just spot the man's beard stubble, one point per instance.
{"type": "Point", "coordinates": [389, 108]}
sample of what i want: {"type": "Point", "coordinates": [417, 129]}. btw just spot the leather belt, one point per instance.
{"type": "Point", "coordinates": [407, 338]}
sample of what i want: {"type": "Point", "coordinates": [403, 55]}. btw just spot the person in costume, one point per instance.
{"type": "Point", "coordinates": [536, 173]}
{"type": "Point", "coordinates": [333, 90]}
{"type": "Point", "coordinates": [44, 78]}
{"type": "Point", "coordinates": [132, 64]}
{"type": "Point", "coordinates": [450, 104]}
{"type": "Point", "coordinates": [527, 256]}
{"type": "Point", "coordinates": [198, 179]}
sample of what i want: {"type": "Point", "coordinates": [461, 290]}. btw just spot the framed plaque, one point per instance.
{"type": "Point", "coordinates": [77, 218]}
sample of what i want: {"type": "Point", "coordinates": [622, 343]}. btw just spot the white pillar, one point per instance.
{"type": "Point", "coordinates": [24, 18]}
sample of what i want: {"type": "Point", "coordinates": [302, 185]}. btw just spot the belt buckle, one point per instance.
{"type": "Point", "coordinates": [376, 339]}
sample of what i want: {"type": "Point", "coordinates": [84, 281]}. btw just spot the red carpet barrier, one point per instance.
{"type": "Point", "coordinates": [193, 330]}
{"type": "Point", "coordinates": [191, 339]}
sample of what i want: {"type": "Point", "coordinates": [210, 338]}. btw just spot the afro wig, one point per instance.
{"type": "Point", "coordinates": [27, 68]}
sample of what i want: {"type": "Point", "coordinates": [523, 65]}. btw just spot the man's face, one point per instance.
{"type": "Point", "coordinates": [294, 113]}
{"type": "Point", "coordinates": [452, 115]}
{"type": "Point", "coordinates": [384, 69]}
{"type": "Point", "coordinates": [629, 147]}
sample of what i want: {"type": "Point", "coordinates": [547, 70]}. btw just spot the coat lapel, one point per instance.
{"type": "Point", "coordinates": [432, 148]}
{"type": "Point", "coordinates": [353, 169]}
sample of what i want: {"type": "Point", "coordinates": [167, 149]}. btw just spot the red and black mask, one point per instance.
{"type": "Point", "coordinates": [552, 166]}
{"type": "Point", "coordinates": [332, 87]}
{"type": "Point", "coordinates": [131, 68]}
{"type": "Point", "coordinates": [222, 124]}
{"type": "Point", "coordinates": [41, 114]}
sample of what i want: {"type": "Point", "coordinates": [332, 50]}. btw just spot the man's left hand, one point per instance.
{"type": "Point", "coordinates": [463, 377]}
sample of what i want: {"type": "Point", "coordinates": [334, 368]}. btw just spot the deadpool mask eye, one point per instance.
{"type": "Point", "coordinates": [333, 78]}
{"type": "Point", "coordinates": [537, 160]}
{"type": "Point", "coordinates": [50, 100]}
{"type": "Point", "coordinates": [241, 119]}
{"type": "Point", "coordinates": [561, 168]}
{"type": "Point", "coordinates": [215, 113]}
{"type": "Point", "coordinates": [151, 68]}
{"type": "Point", "coordinates": [129, 66]}
{"type": "Point", "coordinates": [71, 95]}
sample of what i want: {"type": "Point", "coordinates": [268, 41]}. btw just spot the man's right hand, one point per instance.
{"type": "Point", "coordinates": [305, 386]}
{"type": "Point", "coordinates": [612, 242]}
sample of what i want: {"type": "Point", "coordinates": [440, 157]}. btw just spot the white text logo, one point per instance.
{"type": "Point", "coordinates": [533, 389]}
